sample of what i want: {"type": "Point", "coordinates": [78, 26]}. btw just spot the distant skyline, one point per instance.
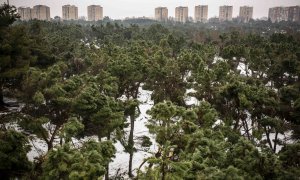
{"type": "Point", "coordinates": [120, 9]}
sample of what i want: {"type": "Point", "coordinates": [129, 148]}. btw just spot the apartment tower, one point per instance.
{"type": "Point", "coordinates": [201, 13]}
{"type": "Point", "coordinates": [39, 12]}
{"type": "Point", "coordinates": [181, 14]}
{"type": "Point", "coordinates": [25, 13]}
{"type": "Point", "coordinates": [161, 14]}
{"type": "Point", "coordinates": [277, 14]}
{"type": "Point", "coordinates": [95, 12]}
{"type": "Point", "coordinates": [69, 12]}
{"type": "Point", "coordinates": [225, 13]}
{"type": "Point", "coordinates": [294, 14]}
{"type": "Point", "coordinates": [246, 13]}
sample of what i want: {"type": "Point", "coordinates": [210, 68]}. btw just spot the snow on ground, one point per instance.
{"type": "Point", "coordinates": [243, 69]}
{"type": "Point", "coordinates": [14, 105]}
{"type": "Point", "coordinates": [217, 58]}
{"type": "Point", "coordinates": [190, 100]}
{"type": "Point", "coordinates": [120, 162]}
{"type": "Point", "coordinates": [38, 148]}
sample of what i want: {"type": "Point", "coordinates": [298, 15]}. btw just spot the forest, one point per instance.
{"type": "Point", "coordinates": [224, 99]}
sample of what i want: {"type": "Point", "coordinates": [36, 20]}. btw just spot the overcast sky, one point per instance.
{"type": "Point", "coordinates": [119, 9]}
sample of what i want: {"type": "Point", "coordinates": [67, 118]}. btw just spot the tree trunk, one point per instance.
{"type": "Point", "coordinates": [163, 168]}
{"type": "Point", "coordinates": [246, 128]}
{"type": "Point", "coordinates": [130, 140]}
{"type": "Point", "coordinates": [275, 142]}
{"type": "Point", "coordinates": [107, 166]}
{"type": "Point", "coordinates": [139, 169]}
{"type": "Point", "coordinates": [1, 94]}
{"type": "Point", "coordinates": [50, 142]}
{"type": "Point", "coordinates": [50, 145]}
{"type": "Point", "coordinates": [131, 144]}
{"type": "Point", "coordinates": [268, 137]}
{"type": "Point", "coordinates": [236, 125]}
{"type": "Point", "coordinates": [107, 172]}
{"type": "Point", "coordinates": [1, 97]}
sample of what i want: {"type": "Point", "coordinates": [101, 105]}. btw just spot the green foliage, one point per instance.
{"type": "Point", "coordinates": [164, 76]}
{"type": "Point", "coordinates": [165, 167]}
{"type": "Point", "coordinates": [289, 155]}
{"type": "Point", "coordinates": [229, 173]}
{"type": "Point", "coordinates": [8, 15]}
{"type": "Point", "coordinates": [101, 114]}
{"type": "Point", "coordinates": [81, 79]}
{"type": "Point", "coordinates": [72, 128]}
{"type": "Point", "coordinates": [13, 154]}
{"type": "Point", "coordinates": [35, 126]}
{"type": "Point", "coordinates": [15, 57]}
{"type": "Point", "coordinates": [206, 115]}
{"type": "Point", "coordinates": [146, 142]}
{"type": "Point", "coordinates": [164, 121]}
{"type": "Point", "coordinates": [38, 98]}
{"type": "Point", "coordinates": [209, 153]}
{"type": "Point", "coordinates": [69, 163]}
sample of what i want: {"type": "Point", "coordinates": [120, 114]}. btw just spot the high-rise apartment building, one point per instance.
{"type": "Point", "coordinates": [161, 14]}
{"type": "Point", "coordinates": [225, 13]}
{"type": "Point", "coordinates": [95, 12]}
{"type": "Point", "coordinates": [294, 14]}
{"type": "Point", "coordinates": [25, 13]}
{"type": "Point", "coordinates": [277, 14]}
{"type": "Point", "coordinates": [39, 12]}
{"type": "Point", "coordinates": [69, 12]}
{"type": "Point", "coordinates": [181, 14]}
{"type": "Point", "coordinates": [201, 13]}
{"type": "Point", "coordinates": [246, 13]}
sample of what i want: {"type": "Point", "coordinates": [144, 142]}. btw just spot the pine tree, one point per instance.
{"type": "Point", "coordinates": [13, 154]}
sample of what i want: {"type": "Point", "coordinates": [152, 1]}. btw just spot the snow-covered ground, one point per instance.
{"type": "Point", "coordinates": [120, 163]}
{"type": "Point", "coordinates": [38, 148]}
{"type": "Point", "coordinates": [191, 100]}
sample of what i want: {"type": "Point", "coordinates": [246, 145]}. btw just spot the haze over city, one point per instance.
{"type": "Point", "coordinates": [119, 9]}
